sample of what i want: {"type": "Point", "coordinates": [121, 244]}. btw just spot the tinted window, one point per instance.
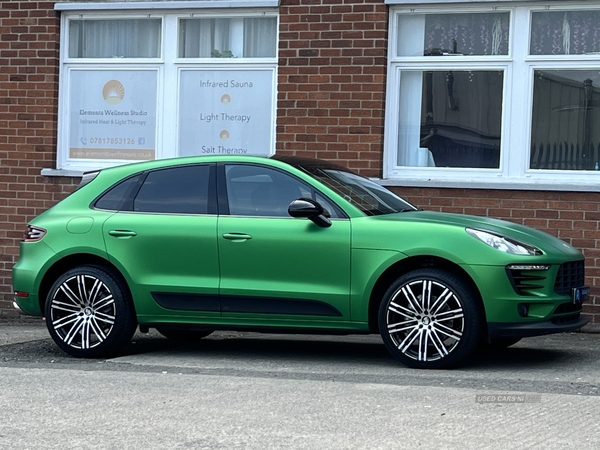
{"type": "Point", "coordinates": [118, 197]}
{"type": "Point", "coordinates": [179, 190]}
{"type": "Point", "coordinates": [262, 191]}
{"type": "Point", "coordinates": [371, 198]}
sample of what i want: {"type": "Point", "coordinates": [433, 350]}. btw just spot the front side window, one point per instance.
{"type": "Point", "coordinates": [494, 97]}
{"type": "Point", "coordinates": [260, 191]}
{"type": "Point", "coordinates": [263, 191]}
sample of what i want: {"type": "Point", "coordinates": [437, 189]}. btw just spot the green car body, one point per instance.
{"type": "Point", "coordinates": [194, 273]}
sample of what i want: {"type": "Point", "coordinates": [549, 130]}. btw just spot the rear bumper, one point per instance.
{"type": "Point", "coordinates": [19, 310]}
{"type": "Point", "coordinates": [28, 306]}
{"type": "Point", "coordinates": [517, 330]}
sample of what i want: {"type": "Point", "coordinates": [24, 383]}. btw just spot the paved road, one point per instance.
{"type": "Point", "coordinates": [253, 391]}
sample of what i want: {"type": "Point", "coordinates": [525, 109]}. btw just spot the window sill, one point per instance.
{"type": "Point", "coordinates": [496, 185]}
{"type": "Point", "coordinates": [174, 4]}
{"type": "Point", "coordinates": [61, 173]}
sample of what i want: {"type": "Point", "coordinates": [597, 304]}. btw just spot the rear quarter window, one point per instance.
{"type": "Point", "coordinates": [119, 197]}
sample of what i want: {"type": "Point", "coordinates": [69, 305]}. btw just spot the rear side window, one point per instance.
{"type": "Point", "coordinates": [175, 190]}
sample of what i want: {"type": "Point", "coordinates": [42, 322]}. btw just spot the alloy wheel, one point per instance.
{"type": "Point", "coordinates": [430, 318]}
{"type": "Point", "coordinates": [89, 312]}
{"type": "Point", "coordinates": [83, 311]}
{"type": "Point", "coordinates": [425, 320]}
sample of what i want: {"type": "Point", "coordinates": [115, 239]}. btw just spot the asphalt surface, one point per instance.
{"type": "Point", "coordinates": [255, 391]}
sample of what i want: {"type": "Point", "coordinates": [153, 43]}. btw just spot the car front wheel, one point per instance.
{"type": "Point", "coordinates": [89, 312]}
{"type": "Point", "coordinates": [430, 319]}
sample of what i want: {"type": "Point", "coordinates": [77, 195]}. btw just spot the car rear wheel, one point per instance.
{"type": "Point", "coordinates": [430, 319]}
{"type": "Point", "coordinates": [89, 312]}
{"type": "Point", "coordinates": [184, 335]}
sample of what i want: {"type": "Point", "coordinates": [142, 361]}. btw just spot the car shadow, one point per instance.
{"type": "Point", "coordinates": [521, 357]}
{"type": "Point", "coordinates": [290, 349]}
{"type": "Point", "coordinates": [367, 350]}
{"type": "Point", "coordinates": [285, 348]}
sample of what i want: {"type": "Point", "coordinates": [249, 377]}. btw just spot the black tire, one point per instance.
{"type": "Point", "coordinates": [430, 319]}
{"type": "Point", "coordinates": [184, 335]}
{"type": "Point", "coordinates": [89, 312]}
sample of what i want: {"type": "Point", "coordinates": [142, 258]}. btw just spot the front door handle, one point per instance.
{"type": "Point", "coordinates": [237, 237]}
{"type": "Point", "coordinates": [122, 233]}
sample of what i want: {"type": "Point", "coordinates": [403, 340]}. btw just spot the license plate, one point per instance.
{"type": "Point", "coordinates": [581, 294]}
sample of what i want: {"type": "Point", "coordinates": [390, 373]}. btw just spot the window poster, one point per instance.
{"type": "Point", "coordinates": [226, 112]}
{"type": "Point", "coordinates": [112, 114]}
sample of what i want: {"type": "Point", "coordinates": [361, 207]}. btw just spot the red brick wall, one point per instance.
{"type": "Point", "coordinates": [28, 104]}
{"type": "Point", "coordinates": [332, 68]}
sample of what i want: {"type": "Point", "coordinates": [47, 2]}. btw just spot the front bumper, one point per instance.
{"type": "Point", "coordinates": [519, 330]}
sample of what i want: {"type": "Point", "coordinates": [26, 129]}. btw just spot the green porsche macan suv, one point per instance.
{"type": "Point", "coordinates": [193, 245]}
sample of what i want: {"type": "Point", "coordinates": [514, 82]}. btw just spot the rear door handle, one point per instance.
{"type": "Point", "coordinates": [237, 237]}
{"type": "Point", "coordinates": [122, 233]}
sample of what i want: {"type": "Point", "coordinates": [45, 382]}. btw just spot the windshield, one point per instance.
{"type": "Point", "coordinates": [369, 197]}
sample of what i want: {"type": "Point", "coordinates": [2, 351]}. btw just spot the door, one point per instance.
{"type": "Point", "coordinates": [166, 242]}
{"type": "Point", "coordinates": [273, 265]}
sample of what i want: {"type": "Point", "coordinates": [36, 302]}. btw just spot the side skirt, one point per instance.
{"type": "Point", "coordinates": [249, 305]}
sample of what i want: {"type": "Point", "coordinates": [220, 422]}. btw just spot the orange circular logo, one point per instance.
{"type": "Point", "coordinates": [113, 92]}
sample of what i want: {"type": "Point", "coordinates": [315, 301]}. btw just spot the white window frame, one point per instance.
{"type": "Point", "coordinates": [518, 66]}
{"type": "Point", "coordinates": [168, 67]}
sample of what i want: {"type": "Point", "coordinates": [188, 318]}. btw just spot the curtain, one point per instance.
{"type": "Point", "coordinates": [132, 38]}
{"type": "Point", "coordinates": [466, 34]}
{"type": "Point", "coordinates": [228, 38]}
{"type": "Point", "coordinates": [260, 37]}
{"type": "Point", "coordinates": [565, 33]}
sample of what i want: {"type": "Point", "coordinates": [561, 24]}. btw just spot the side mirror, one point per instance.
{"type": "Point", "coordinates": [309, 209]}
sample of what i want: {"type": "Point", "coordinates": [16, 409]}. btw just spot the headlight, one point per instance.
{"type": "Point", "coordinates": [504, 244]}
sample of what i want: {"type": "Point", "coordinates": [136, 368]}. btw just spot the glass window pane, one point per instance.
{"type": "Point", "coordinates": [453, 34]}
{"type": "Point", "coordinates": [450, 118]}
{"type": "Point", "coordinates": [178, 190]}
{"type": "Point", "coordinates": [228, 38]}
{"type": "Point", "coordinates": [118, 198]}
{"type": "Point", "coordinates": [565, 131]}
{"type": "Point", "coordinates": [565, 33]}
{"type": "Point", "coordinates": [122, 38]}
{"type": "Point", "coordinates": [260, 191]}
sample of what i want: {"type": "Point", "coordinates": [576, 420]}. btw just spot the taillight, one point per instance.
{"type": "Point", "coordinates": [33, 234]}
